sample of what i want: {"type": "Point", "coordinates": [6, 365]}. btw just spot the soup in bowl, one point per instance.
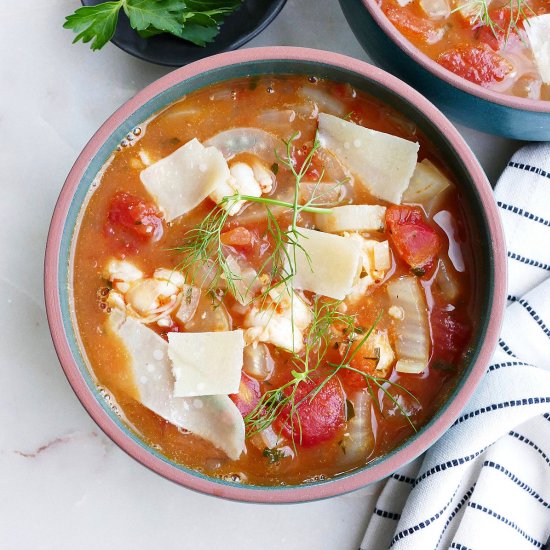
{"type": "Point", "coordinates": [278, 278]}
{"type": "Point", "coordinates": [485, 63]}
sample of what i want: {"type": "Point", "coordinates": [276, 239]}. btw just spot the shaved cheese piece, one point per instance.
{"type": "Point", "coordinates": [538, 32]}
{"type": "Point", "coordinates": [427, 186]}
{"type": "Point", "coordinates": [412, 341]}
{"type": "Point", "coordinates": [353, 217]}
{"type": "Point", "coordinates": [206, 363]}
{"type": "Point", "coordinates": [214, 418]}
{"type": "Point", "coordinates": [183, 179]}
{"type": "Point", "coordinates": [383, 163]}
{"type": "Point", "coordinates": [325, 264]}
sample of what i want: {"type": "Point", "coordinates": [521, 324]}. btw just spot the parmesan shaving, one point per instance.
{"type": "Point", "coordinates": [383, 163]}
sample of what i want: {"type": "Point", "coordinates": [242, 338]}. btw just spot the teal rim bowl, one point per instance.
{"type": "Point", "coordinates": [465, 102]}
{"type": "Point", "coordinates": [474, 189]}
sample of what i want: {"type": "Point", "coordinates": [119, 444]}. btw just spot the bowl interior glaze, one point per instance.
{"type": "Point", "coordinates": [483, 220]}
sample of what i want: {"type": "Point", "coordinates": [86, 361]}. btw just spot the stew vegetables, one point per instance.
{"type": "Point", "coordinates": [273, 280]}
{"type": "Point", "coordinates": [499, 44]}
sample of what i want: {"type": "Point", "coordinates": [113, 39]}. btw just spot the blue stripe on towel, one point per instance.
{"type": "Point", "coordinates": [528, 261]}
{"type": "Point", "coordinates": [506, 521]}
{"type": "Point", "coordinates": [524, 213]}
{"type": "Point", "coordinates": [461, 503]}
{"type": "Point", "coordinates": [388, 515]}
{"type": "Point", "coordinates": [529, 168]}
{"type": "Point", "coordinates": [447, 465]}
{"type": "Point", "coordinates": [503, 405]}
{"type": "Point", "coordinates": [506, 348]}
{"type": "Point", "coordinates": [516, 480]}
{"type": "Point", "coordinates": [422, 524]}
{"type": "Point", "coordinates": [527, 441]}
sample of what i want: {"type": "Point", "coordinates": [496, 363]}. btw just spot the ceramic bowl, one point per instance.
{"type": "Point", "coordinates": [483, 221]}
{"type": "Point", "coordinates": [238, 28]}
{"type": "Point", "coordinates": [465, 102]}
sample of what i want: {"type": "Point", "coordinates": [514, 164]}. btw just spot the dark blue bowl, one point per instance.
{"type": "Point", "coordinates": [465, 102]}
{"type": "Point", "coordinates": [165, 49]}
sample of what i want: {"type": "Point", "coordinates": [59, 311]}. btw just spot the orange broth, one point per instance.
{"type": "Point", "coordinates": [202, 114]}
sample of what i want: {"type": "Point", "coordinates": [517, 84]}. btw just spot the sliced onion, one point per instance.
{"type": "Point", "coordinates": [257, 362]}
{"type": "Point", "coordinates": [256, 213]}
{"type": "Point", "coordinates": [428, 186]}
{"type": "Point", "coordinates": [446, 221]}
{"type": "Point", "coordinates": [210, 316]}
{"type": "Point", "coordinates": [322, 194]}
{"type": "Point", "coordinates": [245, 279]}
{"type": "Point", "coordinates": [189, 303]}
{"type": "Point", "coordinates": [277, 117]}
{"type": "Point", "coordinates": [333, 169]}
{"type": "Point", "coordinates": [447, 282]}
{"type": "Point", "coordinates": [203, 274]}
{"type": "Point", "coordinates": [412, 339]}
{"type": "Point", "coordinates": [359, 440]}
{"type": "Point", "coordinates": [247, 140]}
{"type": "Point", "coordinates": [323, 100]}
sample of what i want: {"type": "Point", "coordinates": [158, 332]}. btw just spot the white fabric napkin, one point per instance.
{"type": "Point", "coordinates": [485, 485]}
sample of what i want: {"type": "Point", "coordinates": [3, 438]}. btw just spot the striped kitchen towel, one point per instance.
{"type": "Point", "coordinates": [485, 485]}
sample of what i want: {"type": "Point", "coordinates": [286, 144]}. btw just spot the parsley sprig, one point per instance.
{"type": "Point", "coordinates": [197, 21]}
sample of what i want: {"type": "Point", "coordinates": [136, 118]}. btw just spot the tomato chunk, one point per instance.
{"type": "Point", "coordinates": [478, 64]}
{"type": "Point", "coordinates": [132, 219]}
{"type": "Point", "coordinates": [362, 361]}
{"type": "Point", "coordinates": [414, 27]}
{"type": "Point", "coordinates": [416, 242]}
{"type": "Point", "coordinates": [316, 419]}
{"type": "Point", "coordinates": [315, 169]}
{"type": "Point", "coordinates": [239, 236]}
{"type": "Point", "coordinates": [449, 334]}
{"type": "Point", "coordinates": [248, 396]}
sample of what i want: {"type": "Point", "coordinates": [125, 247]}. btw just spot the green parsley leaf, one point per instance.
{"type": "Point", "coordinates": [163, 15]}
{"type": "Point", "coordinates": [197, 21]}
{"type": "Point", "coordinates": [94, 23]}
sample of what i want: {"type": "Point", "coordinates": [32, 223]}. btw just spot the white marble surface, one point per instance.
{"type": "Point", "coordinates": [63, 484]}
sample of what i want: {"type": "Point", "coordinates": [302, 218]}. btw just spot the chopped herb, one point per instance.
{"type": "Point", "coordinates": [418, 271]}
{"type": "Point", "coordinates": [273, 455]}
{"type": "Point", "coordinates": [275, 168]}
{"type": "Point", "coordinates": [188, 295]}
